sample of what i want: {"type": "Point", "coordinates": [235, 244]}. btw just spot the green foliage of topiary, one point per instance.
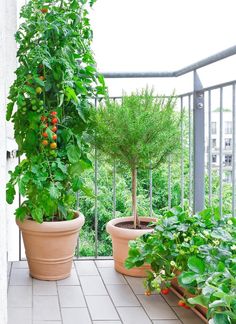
{"type": "Point", "coordinates": [49, 105]}
{"type": "Point", "coordinates": [142, 130]}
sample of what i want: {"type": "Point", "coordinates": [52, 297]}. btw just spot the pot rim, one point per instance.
{"type": "Point", "coordinates": [31, 225]}
{"type": "Point", "coordinates": [127, 232]}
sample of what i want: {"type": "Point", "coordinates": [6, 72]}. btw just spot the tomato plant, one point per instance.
{"type": "Point", "coordinates": [55, 82]}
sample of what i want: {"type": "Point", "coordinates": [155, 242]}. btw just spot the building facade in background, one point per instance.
{"type": "Point", "coordinates": [227, 143]}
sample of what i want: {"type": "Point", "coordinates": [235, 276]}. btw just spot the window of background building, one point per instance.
{"type": "Point", "coordinates": [214, 158]}
{"type": "Point", "coordinates": [213, 143]}
{"type": "Point", "coordinates": [228, 176]}
{"type": "Point", "coordinates": [213, 127]}
{"type": "Point", "coordinates": [228, 159]}
{"type": "Point", "coordinates": [228, 142]}
{"type": "Point", "coordinates": [228, 127]}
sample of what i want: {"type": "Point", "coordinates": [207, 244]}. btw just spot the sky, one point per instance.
{"type": "Point", "coordinates": [162, 35]}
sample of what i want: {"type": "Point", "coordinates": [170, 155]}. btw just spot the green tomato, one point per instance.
{"type": "Point", "coordinates": [23, 103]}
{"type": "Point", "coordinates": [24, 108]}
{"type": "Point", "coordinates": [41, 102]}
{"type": "Point", "coordinates": [34, 107]}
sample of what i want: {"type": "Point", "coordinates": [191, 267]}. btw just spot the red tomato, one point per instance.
{"type": "Point", "coordinates": [43, 118]}
{"type": "Point", "coordinates": [54, 129]}
{"type": "Point", "coordinates": [45, 134]}
{"type": "Point", "coordinates": [53, 113]}
{"type": "Point", "coordinates": [54, 137]}
{"type": "Point", "coordinates": [44, 10]}
{"type": "Point", "coordinates": [54, 120]}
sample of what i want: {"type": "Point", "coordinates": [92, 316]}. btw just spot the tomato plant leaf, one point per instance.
{"type": "Point", "coordinates": [10, 107]}
{"type": "Point", "coordinates": [73, 153]}
{"type": "Point", "coordinates": [21, 213]}
{"type": "Point", "coordinates": [10, 193]}
{"type": "Point", "coordinates": [54, 191]}
{"type": "Point", "coordinates": [37, 214]}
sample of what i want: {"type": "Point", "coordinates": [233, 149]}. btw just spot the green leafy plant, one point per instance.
{"type": "Point", "coordinates": [200, 250]}
{"type": "Point", "coordinates": [140, 131]}
{"type": "Point", "coordinates": [49, 104]}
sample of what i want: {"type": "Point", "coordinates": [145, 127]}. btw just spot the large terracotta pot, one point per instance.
{"type": "Point", "coordinates": [120, 244]}
{"type": "Point", "coordinates": [50, 246]}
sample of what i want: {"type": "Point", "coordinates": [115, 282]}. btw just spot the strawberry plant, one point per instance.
{"type": "Point", "coordinates": [198, 249]}
{"type": "Point", "coordinates": [49, 104]}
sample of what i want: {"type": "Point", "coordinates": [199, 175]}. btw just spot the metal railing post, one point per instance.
{"type": "Point", "coordinates": [198, 146]}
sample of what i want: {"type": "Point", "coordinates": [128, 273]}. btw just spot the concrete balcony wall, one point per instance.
{"type": "Point", "coordinates": [13, 11]}
{"type": "Point", "coordinates": [8, 64]}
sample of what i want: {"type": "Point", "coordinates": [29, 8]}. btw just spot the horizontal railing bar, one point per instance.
{"type": "Point", "coordinates": [161, 96]}
{"type": "Point", "coordinates": [207, 61]}
{"type": "Point", "coordinates": [131, 75]}
{"type": "Point", "coordinates": [218, 86]}
{"type": "Point", "coordinates": [185, 94]}
{"type": "Point", "coordinates": [170, 74]}
{"type": "Point", "coordinates": [214, 87]}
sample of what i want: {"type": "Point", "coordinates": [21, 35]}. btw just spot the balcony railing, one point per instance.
{"type": "Point", "coordinates": [196, 184]}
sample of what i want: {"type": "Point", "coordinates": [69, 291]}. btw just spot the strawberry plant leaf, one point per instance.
{"type": "Point", "coordinates": [196, 265]}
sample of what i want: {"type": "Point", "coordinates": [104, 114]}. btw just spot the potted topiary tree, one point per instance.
{"type": "Point", "coordinates": [49, 106]}
{"type": "Point", "coordinates": [140, 131]}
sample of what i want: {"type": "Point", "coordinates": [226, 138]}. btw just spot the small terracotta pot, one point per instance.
{"type": "Point", "coordinates": [50, 246]}
{"type": "Point", "coordinates": [120, 243]}
{"type": "Point", "coordinates": [183, 292]}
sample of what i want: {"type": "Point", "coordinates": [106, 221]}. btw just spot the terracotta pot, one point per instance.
{"type": "Point", "coordinates": [50, 246]}
{"type": "Point", "coordinates": [120, 243]}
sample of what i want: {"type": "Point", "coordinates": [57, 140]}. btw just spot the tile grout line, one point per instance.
{"type": "Point", "coordinates": [77, 273]}
{"type": "Point", "coordinates": [138, 300]}
{"type": "Point", "coordinates": [108, 293]}
{"type": "Point", "coordinates": [172, 307]}
{"type": "Point", "coordinates": [59, 303]}
{"type": "Point", "coordinates": [32, 308]}
{"type": "Point", "coordinates": [145, 310]}
{"type": "Point", "coordinates": [8, 283]}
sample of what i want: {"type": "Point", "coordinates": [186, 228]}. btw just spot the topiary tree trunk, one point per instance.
{"type": "Point", "coordinates": [134, 198]}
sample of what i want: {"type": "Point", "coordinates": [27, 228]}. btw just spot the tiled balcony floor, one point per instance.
{"type": "Point", "coordinates": [95, 293]}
